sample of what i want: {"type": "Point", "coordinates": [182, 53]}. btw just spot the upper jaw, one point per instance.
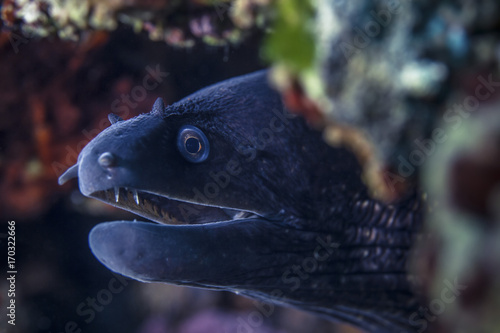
{"type": "Point", "coordinates": [162, 209]}
{"type": "Point", "coordinates": [122, 188]}
{"type": "Point", "coordinates": [142, 199]}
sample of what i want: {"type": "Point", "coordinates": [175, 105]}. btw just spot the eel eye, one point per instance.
{"type": "Point", "coordinates": [106, 160]}
{"type": "Point", "coordinates": [193, 144]}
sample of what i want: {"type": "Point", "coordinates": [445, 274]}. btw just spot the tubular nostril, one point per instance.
{"type": "Point", "coordinates": [106, 160]}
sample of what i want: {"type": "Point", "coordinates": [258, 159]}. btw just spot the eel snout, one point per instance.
{"type": "Point", "coordinates": [71, 173]}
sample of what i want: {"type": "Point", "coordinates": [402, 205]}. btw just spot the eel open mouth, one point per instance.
{"type": "Point", "coordinates": [165, 210]}
{"type": "Point", "coordinates": [160, 208]}
{"type": "Point", "coordinates": [187, 242]}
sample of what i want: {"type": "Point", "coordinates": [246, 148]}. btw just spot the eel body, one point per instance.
{"type": "Point", "coordinates": [247, 198]}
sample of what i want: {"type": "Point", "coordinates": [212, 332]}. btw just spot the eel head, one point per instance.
{"type": "Point", "coordinates": [247, 198]}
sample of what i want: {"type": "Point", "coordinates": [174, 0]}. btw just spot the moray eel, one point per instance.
{"type": "Point", "coordinates": [248, 198]}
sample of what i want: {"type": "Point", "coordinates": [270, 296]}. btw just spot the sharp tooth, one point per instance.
{"type": "Point", "coordinates": [136, 196]}
{"type": "Point", "coordinates": [117, 194]}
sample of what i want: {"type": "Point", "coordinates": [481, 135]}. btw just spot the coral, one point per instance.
{"type": "Point", "coordinates": [179, 23]}
{"type": "Point", "coordinates": [463, 181]}
{"type": "Point", "coordinates": [384, 74]}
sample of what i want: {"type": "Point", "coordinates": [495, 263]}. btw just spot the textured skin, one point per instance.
{"type": "Point", "coordinates": [316, 242]}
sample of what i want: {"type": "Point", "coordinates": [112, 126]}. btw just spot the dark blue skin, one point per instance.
{"type": "Point", "coordinates": [272, 213]}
